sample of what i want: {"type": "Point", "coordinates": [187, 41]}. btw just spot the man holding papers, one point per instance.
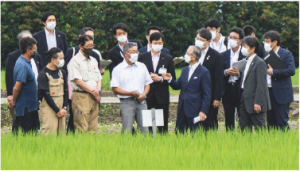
{"type": "Point", "coordinates": [279, 82]}
{"type": "Point", "coordinates": [195, 94]}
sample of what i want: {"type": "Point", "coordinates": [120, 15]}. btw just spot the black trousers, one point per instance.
{"type": "Point", "coordinates": [70, 126]}
{"type": "Point", "coordinates": [28, 123]}
{"type": "Point", "coordinates": [230, 100]}
{"type": "Point", "coordinates": [211, 122]}
{"type": "Point", "coordinates": [152, 103]}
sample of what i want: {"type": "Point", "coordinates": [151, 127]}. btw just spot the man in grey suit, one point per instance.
{"type": "Point", "coordinates": [255, 100]}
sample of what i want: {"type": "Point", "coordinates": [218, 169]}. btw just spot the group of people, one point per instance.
{"type": "Point", "coordinates": [44, 77]}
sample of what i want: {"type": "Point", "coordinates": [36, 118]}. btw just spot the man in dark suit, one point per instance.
{"type": "Point", "coordinates": [279, 83]}
{"type": "Point", "coordinates": [255, 100]}
{"type": "Point", "coordinates": [250, 31]}
{"type": "Point", "coordinates": [115, 54]}
{"type": "Point", "coordinates": [10, 65]}
{"type": "Point", "coordinates": [211, 60]}
{"type": "Point", "coordinates": [195, 94]}
{"type": "Point", "coordinates": [157, 63]}
{"type": "Point", "coordinates": [150, 30]}
{"type": "Point", "coordinates": [49, 37]}
{"type": "Point", "coordinates": [230, 95]}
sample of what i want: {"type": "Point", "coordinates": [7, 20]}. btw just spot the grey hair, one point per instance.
{"type": "Point", "coordinates": [196, 51]}
{"type": "Point", "coordinates": [128, 45]}
{"type": "Point", "coordinates": [20, 35]}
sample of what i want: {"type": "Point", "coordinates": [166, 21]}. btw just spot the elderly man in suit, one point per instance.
{"type": "Point", "coordinates": [195, 94]}
{"type": "Point", "coordinates": [49, 37]}
{"type": "Point", "coordinates": [255, 100]}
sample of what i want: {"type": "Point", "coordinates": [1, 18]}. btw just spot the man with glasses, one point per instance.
{"type": "Point", "coordinates": [232, 78]}
{"type": "Point", "coordinates": [211, 60]}
{"type": "Point", "coordinates": [85, 79]}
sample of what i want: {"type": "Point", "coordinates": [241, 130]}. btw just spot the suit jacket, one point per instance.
{"type": "Point", "coordinates": [255, 86]}
{"type": "Point", "coordinates": [10, 65]}
{"type": "Point", "coordinates": [69, 56]}
{"type": "Point", "coordinates": [145, 49]}
{"type": "Point", "coordinates": [226, 65]}
{"type": "Point", "coordinates": [42, 46]}
{"type": "Point", "coordinates": [114, 54]}
{"type": "Point", "coordinates": [261, 51]}
{"type": "Point", "coordinates": [213, 62]}
{"type": "Point", "coordinates": [195, 94]}
{"type": "Point", "coordinates": [281, 79]}
{"type": "Point", "coordinates": [160, 90]}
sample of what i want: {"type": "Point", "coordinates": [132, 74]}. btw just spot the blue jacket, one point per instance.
{"type": "Point", "coordinates": [164, 50]}
{"type": "Point", "coordinates": [281, 79]}
{"type": "Point", "coordinates": [195, 94]}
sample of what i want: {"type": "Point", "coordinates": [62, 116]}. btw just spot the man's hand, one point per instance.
{"type": "Point", "coordinates": [270, 70]}
{"type": "Point", "coordinates": [61, 113]}
{"type": "Point", "coordinates": [102, 71]}
{"type": "Point", "coordinates": [95, 93]}
{"type": "Point", "coordinates": [216, 103]}
{"type": "Point", "coordinates": [202, 116]}
{"type": "Point", "coordinates": [232, 71]}
{"type": "Point", "coordinates": [98, 98]}
{"type": "Point", "coordinates": [12, 104]}
{"type": "Point", "coordinates": [257, 108]}
{"type": "Point", "coordinates": [155, 77]}
{"type": "Point", "coordinates": [141, 98]}
{"type": "Point", "coordinates": [167, 76]}
{"type": "Point", "coordinates": [10, 98]}
{"type": "Point", "coordinates": [135, 94]}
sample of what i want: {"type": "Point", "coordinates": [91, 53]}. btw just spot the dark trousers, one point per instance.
{"type": "Point", "coordinates": [247, 120]}
{"type": "Point", "coordinates": [28, 123]}
{"type": "Point", "coordinates": [152, 103]}
{"type": "Point", "coordinates": [230, 100]}
{"type": "Point", "coordinates": [183, 123]}
{"type": "Point", "coordinates": [211, 122]}
{"type": "Point", "coordinates": [278, 116]}
{"type": "Point", "coordinates": [70, 127]}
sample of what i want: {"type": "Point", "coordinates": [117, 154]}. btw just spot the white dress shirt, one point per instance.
{"type": "Point", "coordinates": [155, 59]}
{"type": "Point", "coordinates": [203, 54]}
{"type": "Point", "coordinates": [219, 46]}
{"type": "Point", "coordinates": [249, 61]}
{"type": "Point", "coordinates": [234, 57]}
{"type": "Point", "coordinates": [34, 69]}
{"type": "Point", "coordinates": [192, 69]}
{"type": "Point", "coordinates": [130, 78]}
{"type": "Point", "coordinates": [269, 81]}
{"type": "Point", "coordinates": [51, 39]}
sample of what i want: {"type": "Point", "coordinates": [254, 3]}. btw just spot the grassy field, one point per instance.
{"type": "Point", "coordinates": [106, 80]}
{"type": "Point", "coordinates": [217, 150]}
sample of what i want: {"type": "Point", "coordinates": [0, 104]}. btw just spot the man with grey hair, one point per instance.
{"type": "Point", "coordinates": [195, 94]}
{"type": "Point", "coordinates": [12, 57]}
{"type": "Point", "coordinates": [130, 81]}
{"type": "Point", "coordinates": [211, 60]}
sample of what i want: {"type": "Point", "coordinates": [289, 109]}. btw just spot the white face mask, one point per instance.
{"type": "Point", "coordinates": [267, 47]}
{"type": "Point", "coordinates": [233, 43]}
{"type": "Point", "coordinates": [157, 48]}
{"type": "Point", "coordinates": [245, 52]}
{"type": "Point", "coordinates": [133, 57]}
{"type": "Point", "coordinates": [122, 39]}
{"type": "Point", "coordinates": [199, 43]}
{"type": "Point", "coordinates": [51, 25]}
{"type": "Point", "coordinates": [213, 34]}
{"type": "Point", "coordinates": [61, 63]}
{"type": "Point", "coordinates": [187, 58]}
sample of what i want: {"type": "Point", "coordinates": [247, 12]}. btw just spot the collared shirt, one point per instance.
{"type": "Point", "coordinates": [130, 78]}
{"type": "Point", "coordinates": [85, 69]}
{"type": "Point", "coordinates": [234, 57]}
{"type": "Point", "coordinates": [148, 48]}
{"type": "Point", "coordinates": [203, 54]}
{"type": "Point", "coordinates": [249, 61]}
{"type": "Point", "coordinates": [34, 69]}
{"type": "Point", "coordinates": [192, 69]}
{"type": "Point", "coordinates": [28, 96]}
{"type": "Point", "coordinates": [269, 81]}
{"type": "Point", "coordinates": [51, 39]}
{"type": "Point", "coordinates": [220, 45]}
{"type": "Point", "coordinates": [155, 59]}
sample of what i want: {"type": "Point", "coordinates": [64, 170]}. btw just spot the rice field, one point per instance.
{"type": "Point", "coordinates": [219, 150]}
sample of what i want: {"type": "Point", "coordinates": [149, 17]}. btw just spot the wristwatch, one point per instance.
{"type": "Point", "coordinates": [65, 107]}
{"type": "Point", "coordinates": [145, 95]}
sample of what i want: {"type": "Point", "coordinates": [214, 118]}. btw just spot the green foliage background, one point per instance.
{"type": "Point", "coordinates": [179, 21]}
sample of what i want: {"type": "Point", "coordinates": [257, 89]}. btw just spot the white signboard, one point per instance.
{"type": "Point", "coordinates": [147, 117]}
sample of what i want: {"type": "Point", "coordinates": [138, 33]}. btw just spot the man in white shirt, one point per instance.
{"type": "Point", "coordinates": [219, 43]}
{"type": "Point", "coordinates": [131, 82]}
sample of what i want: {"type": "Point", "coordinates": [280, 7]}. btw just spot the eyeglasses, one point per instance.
{"type": "Point", "coordinates": [234, 38]}
{"type": "Point", "coordinates": [89, 46]}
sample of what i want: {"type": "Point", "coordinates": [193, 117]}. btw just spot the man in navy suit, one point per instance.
{"type": "Point", "coordinates": [150, 30]}
{"type": "Point", "coordinates": [49, 37]}
{"type": "Point", "coordinates": [279, 83]}
{"type": "Point", "coordinates": [231, 88]}
{"type": "Point", "coordinates": [195, 94]}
